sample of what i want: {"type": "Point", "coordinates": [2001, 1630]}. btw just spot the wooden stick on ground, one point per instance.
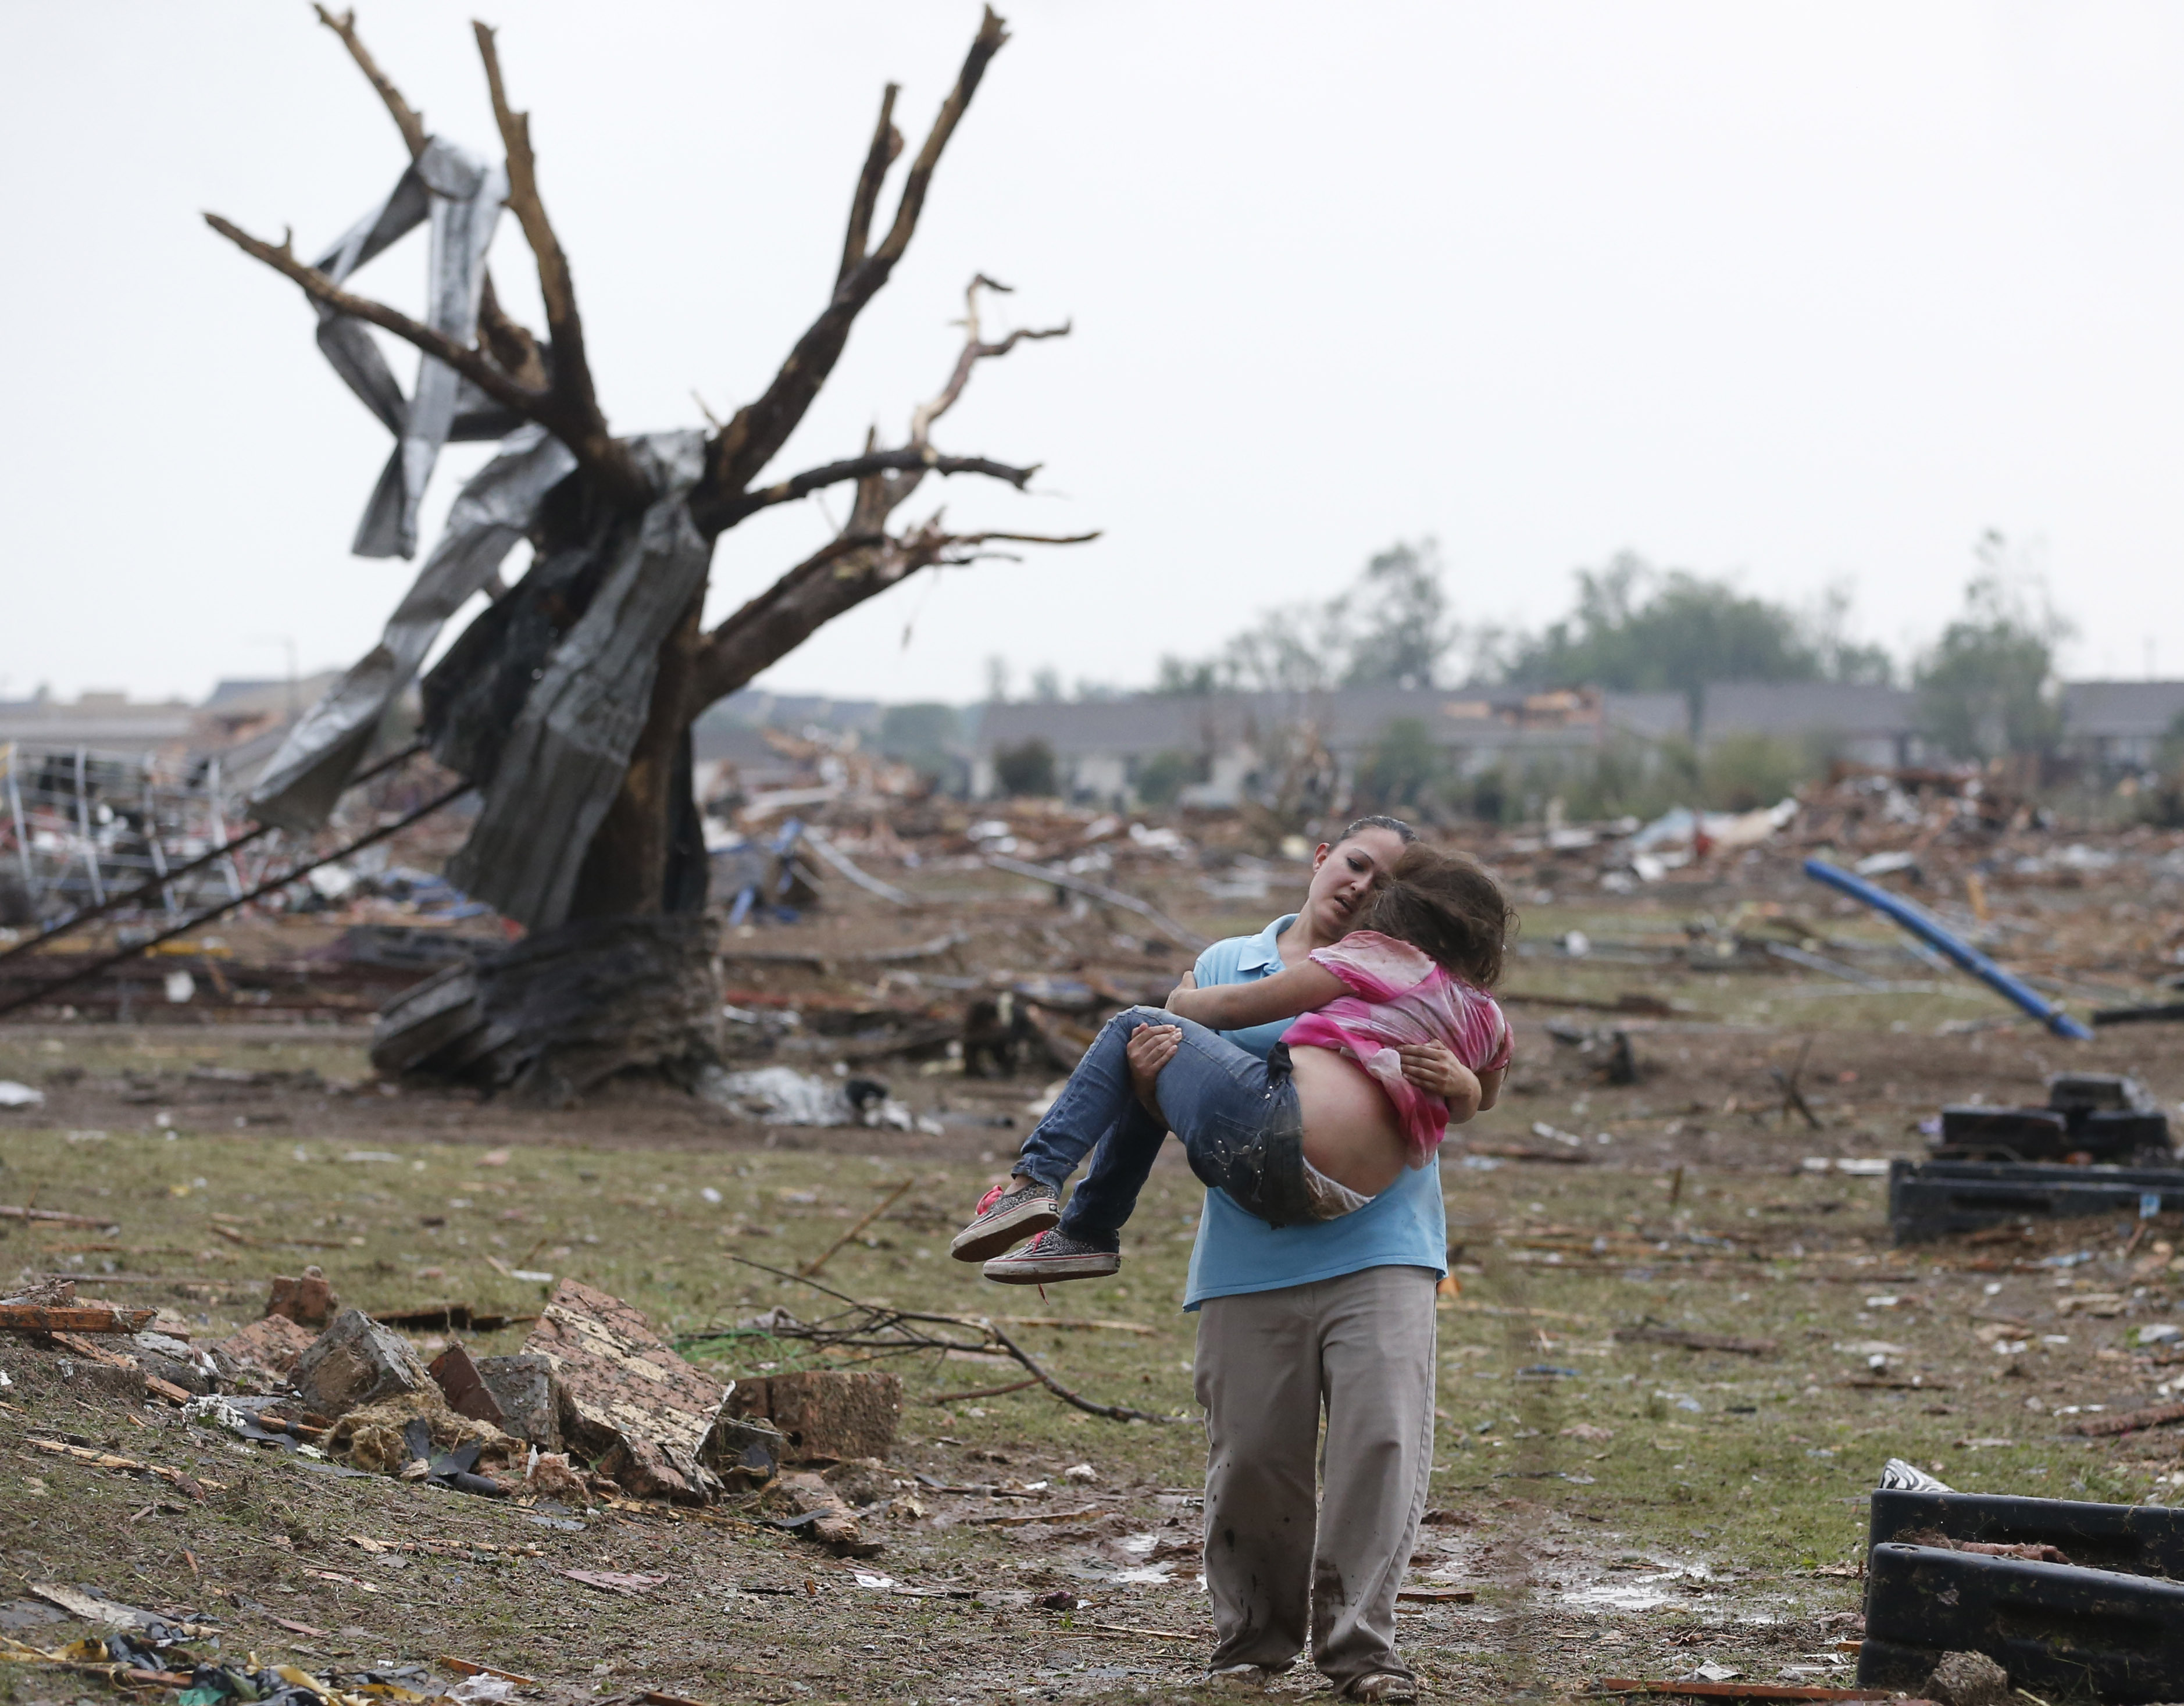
{"type": "Point", "coordinates": [980, 1392]}
{"type": "Point", "coordinates": [825, 1255]}
{"type": "Point", "coordinates": [51, 1216]}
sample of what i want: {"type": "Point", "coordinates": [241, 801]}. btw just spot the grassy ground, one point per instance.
{"type": "Point", "coordinates": [1622, 1506]}
{"type": "Point", "coordinates": [1627, 1507]}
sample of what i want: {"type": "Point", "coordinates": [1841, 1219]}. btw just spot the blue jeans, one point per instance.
{"type": "Point", "coordinates": [1237, 1115]}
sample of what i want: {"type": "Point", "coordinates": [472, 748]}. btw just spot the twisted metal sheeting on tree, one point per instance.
{"type": "Point", "coordinates": [299, 786]}
{"type": "Point", "coordinates": [562, 762]}
{"type": "Point", "coordinates": [461, 196]}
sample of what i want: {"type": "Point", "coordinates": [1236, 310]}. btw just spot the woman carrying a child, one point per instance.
{"type": "Point", "coordinates": [1310, 1071]}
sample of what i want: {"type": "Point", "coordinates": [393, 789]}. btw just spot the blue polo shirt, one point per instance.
{"type": "Point", "coordinates": [1405, 1226]}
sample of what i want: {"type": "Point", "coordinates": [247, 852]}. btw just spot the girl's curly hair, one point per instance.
{"type": "Point", "coordinates": [1443, 904]}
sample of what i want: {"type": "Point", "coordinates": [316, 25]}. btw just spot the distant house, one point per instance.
{"type": "Point", "coordinates": [2120, 723]}
{"type": "Point", "coordinates": [1867, 725]}
{"type": "Point", "coordinates": [756, 707]}
{"type": "Point", "coordinates": [105, 721]}
{"type": "Point", "coordinates": [1237, 743]}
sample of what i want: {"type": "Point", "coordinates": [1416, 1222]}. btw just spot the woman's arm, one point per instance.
{"type": "Point", "coordinates": [1489, 1087]}
{"type": "Point", "coordinates": [1236, 1006]}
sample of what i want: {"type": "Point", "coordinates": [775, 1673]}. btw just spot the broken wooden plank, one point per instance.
{"type": "Point", "coordinates": [72, 1318]}
{"type": "Point", "coordinates": [1020, 1519]}
{"type": "Point", "coordinates": [1739, 1691]}
{"type": "Point", "coordinates": [823, 959]}
{"type": "Point", "coordinates": [51, 1216]}
{"type": "Point", "coordinates": [107, 1460]}
{"type": "Point", "coordinates": [2131, 1421]}
{"type": "Point", "coordinates": [847, 867]}
{"type": "Point", "coordinates": [463, 1667]}
{"type": "Point", "coordinates": [1107, 897]}
{"type": "Point", "coordinates": [1690, 1340]}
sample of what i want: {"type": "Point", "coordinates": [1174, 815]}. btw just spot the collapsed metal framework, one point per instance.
{"type": "Point", "coordinates": [84, 826]}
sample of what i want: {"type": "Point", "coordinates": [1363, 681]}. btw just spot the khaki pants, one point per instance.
{"type": "Point", "coordinates": [1361, 1346]}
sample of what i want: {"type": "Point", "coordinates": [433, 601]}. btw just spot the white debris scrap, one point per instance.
{"type": "Point", "coordinates": [782, 1095]}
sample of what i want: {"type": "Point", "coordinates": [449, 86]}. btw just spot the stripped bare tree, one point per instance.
{"type": "Point", "coordinates": [569, 699]}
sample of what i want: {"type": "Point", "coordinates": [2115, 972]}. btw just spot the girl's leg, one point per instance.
{"type": "Point", "coordinates": [1094, 1101]}
{"type": "Point", "coordinates": [1092, 1104]}
{"type": "Point", "coordinates": [1239, 1127]}
{"type": "Point", "coordinates": [1121, 1163]}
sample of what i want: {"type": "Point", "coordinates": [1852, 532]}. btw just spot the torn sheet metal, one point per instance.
{"type": "Point", "coordinates": [299, 786]}
{"type": "Point", "coordinates": [565, 755]}
{"type": "Point", "coordinates": [461, 196]}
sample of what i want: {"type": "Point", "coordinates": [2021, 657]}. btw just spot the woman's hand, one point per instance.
{"type": "Point", "coordinates": [1433, 1068]}
{"type": "Point", "coordinates": [1150, 1047]}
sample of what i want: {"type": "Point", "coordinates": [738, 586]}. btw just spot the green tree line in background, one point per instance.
{"type": "Point", "coordinates": [1987, 687]}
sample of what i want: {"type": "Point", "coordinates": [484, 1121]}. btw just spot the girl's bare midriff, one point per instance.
{"type": "Point", "coordinates": [1350, 1133]}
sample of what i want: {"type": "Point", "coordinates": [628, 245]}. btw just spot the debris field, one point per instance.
{"type": "Point", "coordinates": [1680, 1343]}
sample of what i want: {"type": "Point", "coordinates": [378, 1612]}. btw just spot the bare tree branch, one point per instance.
{"type": "Point", "coordinates": [571, 379]}
{"type": "Point", "coordinates": [992, 34]}
{"type": "Point", "coordinates": [512, 343]}
{"type": "Point", "coordinates": [920, 459]}
{"type": "Point", "coordinates": [887, 144]}
{"type": "Point", "coordinates": [509, 341]}
{"type": "Point", "coordinates": [840, 575]}
{"type": "Point", "coordinates": [865, 559]}
{"type": "Point", "coordinates": [532, 405]}
{"type": "Point", "coordinates": [756, 433]}
{"type": "Point", "coordinates": [407, 118]}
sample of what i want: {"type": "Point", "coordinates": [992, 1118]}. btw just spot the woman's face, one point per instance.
{"type": "Point", "coordinates": [1342, 877]}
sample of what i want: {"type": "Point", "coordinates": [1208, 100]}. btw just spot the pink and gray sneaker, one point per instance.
{"type": "Point", "coordinates": [1052, 1255]}
{"type": "Point", "coordinates": [1005, 1214]}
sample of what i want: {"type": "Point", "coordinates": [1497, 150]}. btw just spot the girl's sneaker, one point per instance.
{"type": "Point", "coordinates": [1005, 1214]}
{"type": "Point", "coordinates": [1053, 1256]}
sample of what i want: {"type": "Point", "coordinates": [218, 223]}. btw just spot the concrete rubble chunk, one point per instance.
{"type": "Point", "coordinates": [742, 1451]}
{"type": "Point", "coordinates": [627, 1400]}
{"type": "Point", "coordinates": [355, 1362]}
{"type": "Point", "coordinates": [523, 1388]}
{"type": "Point", "coordinates": [457, 1376]}
{"type": "Point", "coordinates": [825, 1414]}
{"type": "Point", "coordinates": [1969, 1679]}
{"type": "Point", "coordinates": [100, 1368]}
{"type": "Point", "coordinates": [305, 1299]}
{"type": "Point", "coordinates": [169, 1359]}
{"type": "Point", "coordinates": [515, 1394]}
{"type": "Point", "coordinates": [273, 1344]}
{"type": "Point", "coordinates": [832, 1525]}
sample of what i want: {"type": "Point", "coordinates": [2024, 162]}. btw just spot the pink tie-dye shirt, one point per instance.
{"type": "Point", "coordinates": [1401, 996]}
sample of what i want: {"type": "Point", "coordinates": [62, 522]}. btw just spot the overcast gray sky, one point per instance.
{"type": "Point", "coordinates": [1792, 292]}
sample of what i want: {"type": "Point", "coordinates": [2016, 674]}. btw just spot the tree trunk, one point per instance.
{"type": "Point", "coordinates": [626, 870]}
{"type": "Point", "coordinates": [566, 1009]}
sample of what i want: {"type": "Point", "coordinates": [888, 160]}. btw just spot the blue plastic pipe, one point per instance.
{"type": "Point", "coordinates": [1929, 929]}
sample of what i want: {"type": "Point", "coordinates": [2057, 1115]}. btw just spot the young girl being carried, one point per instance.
{"type": "Point", "coordinates": [1327, 1120]}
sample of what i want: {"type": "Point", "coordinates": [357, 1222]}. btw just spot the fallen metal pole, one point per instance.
{"type": "Point", "coordinates": [46, 989]}
{"type": "Point", "coordinates": [1930, 930]}
{"type": "Point", "coordinates": [1106, 897]}
{"type": "Point", "coordinates": [863, 878]}
{"type": "Point", "coordinates": [164, 879]}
